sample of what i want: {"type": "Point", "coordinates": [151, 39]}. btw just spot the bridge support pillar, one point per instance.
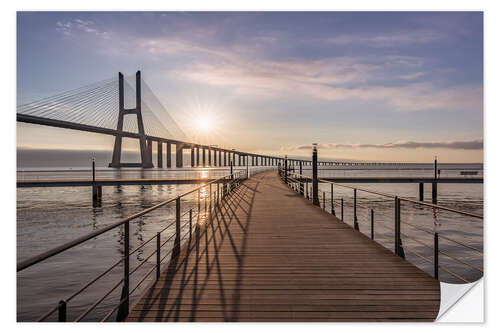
{"type": "Point", "coordinates": [192, 157]}
{"type": "Point", "coordinates": [149, 150]}
{"type": "Point", "coordinates": [209, 152]}
{"type": "Point", "coordinates": [203, 156]}
{"type": "Point", "coordinates": [421, 191]}
{"type": "Point", "coordinates": [178, 155]}
{"type": "Point", "coordinates": [220, 158]}
{"type": "Point", "coordinates": [146, 157]}
{"type": "Point", "coordinates": [169, 155]}
{"type": "Point", "coordinates": [225, 158]}
{"type": "Point", "coordinates": [159, 154]}
{"type": "Point", "coordinates": [197, 156]}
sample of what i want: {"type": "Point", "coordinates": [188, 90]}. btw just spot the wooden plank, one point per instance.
{"type": "Point", "coordinates": [269, 255]}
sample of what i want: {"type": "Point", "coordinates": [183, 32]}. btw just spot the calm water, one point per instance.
{"type": "Point", "coordinates": [48, 217]}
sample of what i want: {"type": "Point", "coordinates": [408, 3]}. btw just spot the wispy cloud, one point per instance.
{"type": "Point", "coordinates": [387, 39]}
{"type": "Point", "coordinates": [69, 28]}
{"type": "Point", "coordinates": [333, 80]}
{"type": "Point", "coordinates": [464, 145]}
{"type": "Point", "coordinates": [411, 76]}
{"type": "Point", "coordinates": [238, 67]}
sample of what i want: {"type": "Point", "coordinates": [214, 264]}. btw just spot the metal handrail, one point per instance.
{"type": "Point", "coordinates": [234, 177]}
{"type": "Point", "coordinates": [423, 203]}
{"type": "Point", "coordinates": [292, 178]}
{"type": "Point", "coordinates": [52, 252]}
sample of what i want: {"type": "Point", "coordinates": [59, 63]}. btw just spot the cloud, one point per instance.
{"type": "Point", "coordinates": [69, 28]}
{"type": "Point", "coordinates": [411, 76]}
{"type": "Point", "coordinates": [380, 40]}
{"type": "Point", "coordinates": [333, 79]}
{"type": "Point", "coordinates": [463, 145]}
{"type": "Point", "coordinates": [243, 68]}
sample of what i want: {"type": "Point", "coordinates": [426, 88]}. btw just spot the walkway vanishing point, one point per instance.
{"type": "Point", "coordinates": [270, 255]}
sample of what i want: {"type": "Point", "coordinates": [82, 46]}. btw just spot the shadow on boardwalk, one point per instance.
{"type": "Point", "coordinates": [188, 274]}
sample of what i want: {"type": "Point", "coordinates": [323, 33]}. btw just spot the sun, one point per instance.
{"type": "Point", "coordinates": [204, 123]}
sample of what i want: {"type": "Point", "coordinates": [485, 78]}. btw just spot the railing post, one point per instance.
{"type": "Point", "coordinates": [124, 299]}
{"type": "Point", "coordinates": [158, 257]}
{"type": "Point", "coordinates": [315, 175]}
{"type": "Point", "coordinates": [286, 170]}
{"type": "Point", "coordinates": [61, 311]}
{"type": "Point", "coordinates": [355, 213]}
{"type": "Point", "coordinates": [436, 256]}
{"type": "Point", "coordinates": [331, 200]}
{"type": "Point", "coordinates": [396, 241]}
{"type": "Point", "coordinates": [177, 242]}
{"type": "Point", "coordinates": [398, 244]}
{"type": "Point", "coordinates": [210, 197]}
{"type": "Point", "coordinates": [190, 221]}
{"type": "Point", "coordinates": [301, 186]}
{"type": "Point", "coordinates": [199, 200]}
{"type": "Point", "coordinates": [342, 209]}
{"type": "Point", "coordinates": [372, 227]}
{"type": "Point", "coordinates": [401, 251]}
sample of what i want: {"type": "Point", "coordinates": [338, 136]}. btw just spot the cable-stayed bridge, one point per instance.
{"type": "Point", "coordinates": [115, 107]}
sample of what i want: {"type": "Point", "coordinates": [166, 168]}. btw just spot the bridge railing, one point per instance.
{"type": "Point", "coordinates": [209, 197]}
{"type": "Point", "coordinates": [331, 202]}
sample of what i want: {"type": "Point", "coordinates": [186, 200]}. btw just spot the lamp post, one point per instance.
{"type": "Point", "coordinates": [315, 174]}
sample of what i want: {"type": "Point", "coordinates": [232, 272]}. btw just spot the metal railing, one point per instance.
{"type": "Point", "coordinates": [303, 185]}
{"type": "Point", "coordinates": [215, 192]}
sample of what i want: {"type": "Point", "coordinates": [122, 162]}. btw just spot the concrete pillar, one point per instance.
{"type": "Point", "coordinates": [203, 157]}
{"type": "Point", "coordinates": [421, 191]}
{"type": "Point", "coordinates": [179, 161]}
{"type": "Point", "coordinates": [192, 157]}
{"type": "Point", "coordinates": [149, 153]}
{"type": "Point", "coordinates": [169, 155]}
{"type": "Point", "coordinates": [225, 158]}
{"type": "Point", "coordinates": [220, 158]}
{"type": "Point", "coordinates": [159, 154]}
{"type": "Point", "coordinates": [209, 151]}
{"type": "Point", "coordinates": [197, 156]}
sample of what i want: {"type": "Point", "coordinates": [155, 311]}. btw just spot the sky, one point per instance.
{"type": "Point", "coordinates": [383, 86]}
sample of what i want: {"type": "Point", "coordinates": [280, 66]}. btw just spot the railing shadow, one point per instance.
{"type": "Point", "coordinates": [176, 296]}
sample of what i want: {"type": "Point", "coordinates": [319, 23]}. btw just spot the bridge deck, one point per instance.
{"type": "Point", "coordinates": [273, 256]}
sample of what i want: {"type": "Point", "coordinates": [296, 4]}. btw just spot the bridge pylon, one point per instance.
{"type": "Point", "coordinates": [146, 153]}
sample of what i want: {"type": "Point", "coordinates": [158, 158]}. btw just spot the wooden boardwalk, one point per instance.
{"type": "Point", "coordinates": [270, 255]}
